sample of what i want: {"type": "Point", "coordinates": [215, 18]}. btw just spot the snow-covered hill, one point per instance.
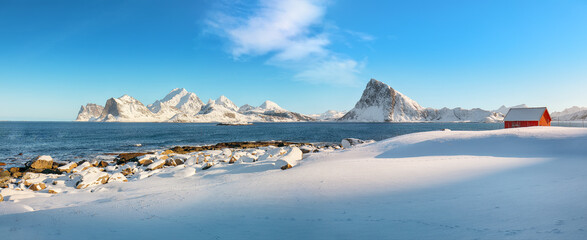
{"type": "Point", "coordinates": [183, 106]}
{"type": "Point", "coordinates": [381, 103]}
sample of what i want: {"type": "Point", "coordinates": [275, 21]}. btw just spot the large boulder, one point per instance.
{"type": "Point", "coordinates": [41, 162]}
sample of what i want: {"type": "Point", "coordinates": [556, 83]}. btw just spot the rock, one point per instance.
{"type": "Point", "coordinates": [232, 160]}
{"type": "Point", "coordinates": [58, 182]}
{"type": "Point", "coordinates": [145, 162]}
{"type": "Point", "coordinates": [117, 177]}
{"type": "Point", "coordinates": [37, 186]}
{"type": "Point", "coordinates": [15, 169]}
{"type": "Point", "coordinates": [126, 157]}
{"type": "Point", "coordinates": [128, 170]}
{"type": "Point", "coordinates": [289, 159]}
{"type": "Point", "coordinates": [4, 173]}
{"type": "Point", "coordinates": [164, 157]}
{"type": "Point", "coordinates": [51, 171]}
{"type": "Point", "coordinates": [1, 198]}
{"type": "Point", "coordinates": [30, 175]}
{"type": "Point", "coordinates": [173, 162]}
{"type": "Point", "coordinates": [52, 191]}
{"type": "Point", "coordinates": [2, 164]}
{"type": "Point", "coordinates": [41, 162]}
{"type": "Point", "coordinates": [111, 168]}
{"type": "Point", "coordinates": [156, 165]}
{"type": "Point", "coordinates": [207, 165]}
{"type": "Point", "coordinates": [93, 178]}
{"type": "Point", "coordinates": [4, 181]}
{"type": "Point", "coordinates": [349, 142]}
{"type": "Point", "coordinates": [17, 175]}
{"type": "Point", "coordinates": [166, 152]}
{"type": "Point", "coordinates": [287, 166]}
{"type": "Point", "coordinates": [67, 167]}
{"type": "Point", "coordinates": [81, 167]}
{"type": "Point", "coordinates": [102, 164]}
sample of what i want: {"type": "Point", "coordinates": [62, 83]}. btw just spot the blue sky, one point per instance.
{"type": "Point", "coordinates": [308, 56]}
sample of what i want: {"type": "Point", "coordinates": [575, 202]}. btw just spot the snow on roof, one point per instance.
{"type": "Point", "coordinates": [525, 114]}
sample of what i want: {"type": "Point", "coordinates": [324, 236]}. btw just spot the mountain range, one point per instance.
{"type": "Point", "coordinates": [183, 106]}
{"type": "Point", "coordinates": [379, 103]}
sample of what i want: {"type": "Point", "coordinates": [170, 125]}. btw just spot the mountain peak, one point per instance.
{"type": "Point", "coordinates": [269, 105]}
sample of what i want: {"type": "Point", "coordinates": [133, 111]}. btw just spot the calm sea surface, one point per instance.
{"type": "Point", "coordinates": [83, 140]}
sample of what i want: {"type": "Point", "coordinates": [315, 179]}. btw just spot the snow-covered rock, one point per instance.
{"type": "Point", "coordinates": [92, 177]}
{"type": "Point", "coordinates": [289, 159]}
{"type": "Point", "coordinates": [67, 167]}
{"type": "Point", "coordinates": [349, 142]}
{"type": "Point", "coordinates": [381, 103]}
{"type": "Point", "coordinates": [41, 162]}
{"type": "Point", "coordinates": [117, 177]}
{"type": "Point", "coordinates": [156, 165]}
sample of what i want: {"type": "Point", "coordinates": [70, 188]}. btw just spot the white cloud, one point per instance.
{"type": "Point", "coordinates": [332, 71]}
{"type": "Point", "coordinates": [291, 33]}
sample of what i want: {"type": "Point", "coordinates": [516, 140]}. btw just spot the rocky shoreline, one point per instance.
{"type": "Point", "coordinates": [44, 175]}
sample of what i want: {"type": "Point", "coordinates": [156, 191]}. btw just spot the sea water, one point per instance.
{"type": "Point", "coordinates": [84, 140]}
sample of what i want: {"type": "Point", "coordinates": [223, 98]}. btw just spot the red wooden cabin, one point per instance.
{"type": "Point", "coordinates": [527, 117]}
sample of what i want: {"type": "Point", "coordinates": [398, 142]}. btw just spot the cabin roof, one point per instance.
{"type": "Point", "coordinates": [525, 114]}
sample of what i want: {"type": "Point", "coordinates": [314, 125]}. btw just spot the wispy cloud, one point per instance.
{"type": "Point", "coordinates": [291, 33]}
{"type": "Point", "coordinates": [332, 70]}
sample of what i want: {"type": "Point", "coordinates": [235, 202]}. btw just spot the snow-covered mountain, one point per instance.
{"type": "Point", "coordinates": [177, 101]}
{"type": "Point", "coordinates": [382, 103]}
{"type": "Point", "coordinates": [330, 115]}
{"type": "Point", "coordinates": [269, 111]}
{"type": "Point", "coordinates": [183, 106]}
{"type": "Point", "coordinates": [127, 109]}
{"type": "Point", "coordinates": [570, 114]}
{"type": "Point", "coordinates": [504, 110]}
{"type": "Point", "coordinates": [89, 112]}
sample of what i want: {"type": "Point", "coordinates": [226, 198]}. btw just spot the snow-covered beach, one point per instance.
{"type": "Point", "coordinates": [526, 183]}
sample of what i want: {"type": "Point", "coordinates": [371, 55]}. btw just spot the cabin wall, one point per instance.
{"type": "Point", "coordinates": [544, 121]}
{"type": "Point", "coordinates": [515, 124]}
